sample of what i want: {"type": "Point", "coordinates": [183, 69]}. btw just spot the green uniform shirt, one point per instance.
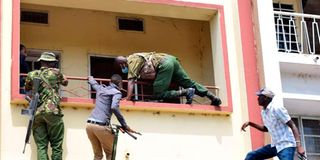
{"type": "Point", "coordinates": [135, 62]}
{"type": "Point", "coordinates": [49, 98]}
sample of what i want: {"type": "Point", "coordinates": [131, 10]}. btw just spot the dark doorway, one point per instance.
{"type": "Point", "coordinates": [104, 67]}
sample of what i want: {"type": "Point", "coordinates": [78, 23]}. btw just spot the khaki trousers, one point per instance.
{"type": "Point", "coordinates": [100, 137]}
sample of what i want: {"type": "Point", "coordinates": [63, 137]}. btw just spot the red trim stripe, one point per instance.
{"type": "Point", "coordinates": [16, 41]}
{"type": "Point", "coordinates": [15, 48]}
{"type": "Point", "coordinates": [250, 67]}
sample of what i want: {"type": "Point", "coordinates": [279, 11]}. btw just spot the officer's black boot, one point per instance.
{"type": "Point", "coordinates": [215, 101]}
{"type": "Point", "coordinates": [189, 93]}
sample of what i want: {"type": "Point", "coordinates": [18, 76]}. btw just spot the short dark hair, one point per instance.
{"type": "Point", "coordinates": [22, 47]}
{"type": "Point", "coordinates": [116, 79]}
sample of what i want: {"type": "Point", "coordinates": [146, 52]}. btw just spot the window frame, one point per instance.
{"type": "Point", "coordinates": [219, 20]}
{"type": "Point", "coordinates": [301, 130]}
{"type": "Point", "coordinates": [39, 11]}
{"type": "Point", "coordinates": [130, 18]}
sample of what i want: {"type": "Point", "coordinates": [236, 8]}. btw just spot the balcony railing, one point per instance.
{"type": "Point", "coordinates": [297, 33]}
{"type": "Point", "coordinates": [79, 88]}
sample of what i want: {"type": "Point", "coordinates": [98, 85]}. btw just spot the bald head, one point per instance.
{"type": "Point", "coordinates": [121, 59]}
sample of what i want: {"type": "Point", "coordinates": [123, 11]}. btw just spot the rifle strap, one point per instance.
{"type": "Point", "coordinates": [48, 85]}
{"type": "Point", "coordinates": [45, 81]}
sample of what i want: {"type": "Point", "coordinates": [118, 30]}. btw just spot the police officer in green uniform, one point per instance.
{"type": "Point", "coordinates": [168, 69]}
{"type": "Point", "coordinates": [48, 125]}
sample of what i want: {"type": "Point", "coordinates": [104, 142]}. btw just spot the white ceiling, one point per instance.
{"type": "Point", "coordinates": [302, 107]}
{"type": "Point", "coordinates": [299, 63]}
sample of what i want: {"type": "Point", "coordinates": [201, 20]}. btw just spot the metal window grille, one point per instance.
{"type": "Point", "coordinates": [286, 29]}
{"type": "Point", "coordinates": [296, 32]}
{"type": "Point", "coordinates": [310, 135]}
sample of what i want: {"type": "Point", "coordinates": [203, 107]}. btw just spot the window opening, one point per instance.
{"type": "Point", "coordinates": [104, 67]}
{"type": "Point", "coordinates": [34, 54]}
{"type": "Point", "coordinates": [130, 24]}
{"type": "Point", "coordinates": [34, 17]}
{"type": "Point", "coordinates": [33, 64]}
{"type": "Point", "coordinates": [310, 135]}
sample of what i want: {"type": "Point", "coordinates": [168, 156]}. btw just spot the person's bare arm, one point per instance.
{"type": "Point", "coordinates": [296, 135]}
{"type": "Point", "coordinates": [130, 88]}
{"type": "Point", "coordinates": [64, 81]}
{"type": "Point", "coordinates": [254, 125]}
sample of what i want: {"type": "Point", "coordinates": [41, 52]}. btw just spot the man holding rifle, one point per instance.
{"type": "Point", "coordinates": [48, 126]}
{"type": "Point", "coordinates": [98, 124]}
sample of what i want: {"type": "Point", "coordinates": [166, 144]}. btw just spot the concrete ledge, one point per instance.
{"type": "Point", "coordinates": [147, 106]}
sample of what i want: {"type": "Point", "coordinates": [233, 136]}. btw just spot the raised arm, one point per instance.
{"type": "Point", "coordinates": [64, 81]}
{"type": "Point", "coordinates": [130, 88]}
{"type": "Point", "coordinates": [28, 82]}
{"type": "Point", "coordinates": [94, 84]}
{"type": "Point", "coordinates": [254, 125]}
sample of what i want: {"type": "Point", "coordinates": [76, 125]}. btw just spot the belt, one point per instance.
{"type": "Point", "coordinates": [95, 122]}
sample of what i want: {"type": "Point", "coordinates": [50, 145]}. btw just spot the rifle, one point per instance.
{"type": "Point", "coordinates": [115, 131]}
{"type": "Point", "coordinates": [31, 110]}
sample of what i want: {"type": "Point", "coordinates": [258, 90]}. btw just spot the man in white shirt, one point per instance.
{"type": "Point", "coordinates": [284, 133]}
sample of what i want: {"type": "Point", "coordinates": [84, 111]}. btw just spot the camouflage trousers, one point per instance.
{"type": "Point", "coordinates": [171, 71]}
{"type": "Point", "coordinates": [48, 128]}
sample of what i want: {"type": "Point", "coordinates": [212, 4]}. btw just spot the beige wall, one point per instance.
{"type": "Point", "coordinates": [166, 136]}
{"type": "Point", "coordinates": [78, 32]}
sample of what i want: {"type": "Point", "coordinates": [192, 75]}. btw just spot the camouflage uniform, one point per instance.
{"type": "Point", "coordinates": [48, 125]}
{"type": "Point", "coordinates": [169, 70]}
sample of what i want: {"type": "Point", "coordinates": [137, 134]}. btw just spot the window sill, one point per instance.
{"type": "Point", "coordinates": [78, 103]}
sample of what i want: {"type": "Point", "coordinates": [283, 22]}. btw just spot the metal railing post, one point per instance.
{"type": "Point", "coordinates": [304, 44]}
{"type": "Point", "coordinates": [135, 90]}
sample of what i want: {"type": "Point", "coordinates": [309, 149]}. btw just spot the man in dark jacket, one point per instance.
{"type": "Point", "coordinates": [24, 67]}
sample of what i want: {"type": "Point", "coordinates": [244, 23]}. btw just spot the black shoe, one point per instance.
{"type": "Point", "coordinates": [216, 101]}
{"type": "Point", "coordinates": [190, 94]}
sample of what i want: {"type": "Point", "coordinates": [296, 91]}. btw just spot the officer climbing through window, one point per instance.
{"type": "Point", "coordinates": [163, 69]}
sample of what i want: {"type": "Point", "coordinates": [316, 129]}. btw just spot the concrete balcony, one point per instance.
{"type": "Point", "coordinates": [302, 104]}
{"type": "Point", "coordinates": [298, 55]}
{"type": "Point", "coordinates": [297, 33]}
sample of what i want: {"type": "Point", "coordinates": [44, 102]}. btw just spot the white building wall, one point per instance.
{"type": "Point", "coordinates": [294, 77]}
{"type": "Point", "coordinates": [269, 68]}
{"type": "Point", "coordinates": [290, 75]}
